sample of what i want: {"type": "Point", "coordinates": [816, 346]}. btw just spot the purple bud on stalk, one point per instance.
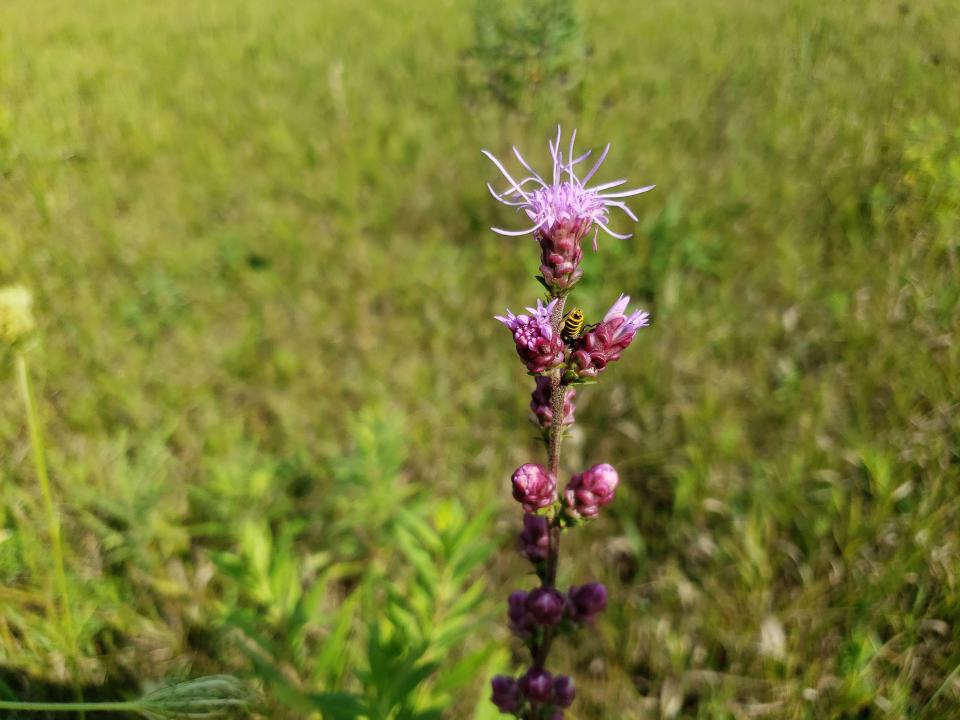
{"type": "Point", "coordinates": [603, 345]}
{"type": "Point", "coordinates": [521, 623]}
{"type": "Point", "coordinates": [564, 691]}
{"type": "Point", "coordinates": [506, 694]}
{"type": "Point", "coordinates": [539, 347]}
{"type": "Point", "coordinates": [537, 685]}
{"type": "Point", "coordinates": [535, 538]}
{"type": "Point", "coordinates": [545, 605]}
{"type": "Point", "coordinates": [534, 487]}
{"type": "Point", "coordinates": [585, 602]}
{"type": "Point", "coordinates": [542, 408]}
{"type": "Point", "coordinates": [591, 490]}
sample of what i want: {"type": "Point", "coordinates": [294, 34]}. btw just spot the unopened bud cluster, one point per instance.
{"type": "Point", "coordinates": [563, 210]}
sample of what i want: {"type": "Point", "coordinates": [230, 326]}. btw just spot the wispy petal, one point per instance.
{"type": "Point", "coordinates": [503, 170]}
{"type": "Point", "coordinates": [596, 166]}
{"type": "Point", "coordinates": [628, 193]}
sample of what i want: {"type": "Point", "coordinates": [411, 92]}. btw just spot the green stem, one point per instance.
{"type": "Point", "coordinates": [69, 707]}
{"type": "Point", "coordinates": [53, 519]}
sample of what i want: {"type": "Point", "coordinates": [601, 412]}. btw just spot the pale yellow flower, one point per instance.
{"type": "Point", "coordinates": [16, 316]}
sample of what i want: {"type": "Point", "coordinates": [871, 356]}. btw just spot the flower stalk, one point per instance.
{"type": "Point", "coordinates": [563, 211]}
{"type": "Point", "coordinates": [16, 325]}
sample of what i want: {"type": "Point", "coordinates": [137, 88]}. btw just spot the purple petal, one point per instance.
{"type": "Point", "coordinates": [503, 170]}
{"type": "Point", "coordinates": [628, 193]}
{"type": "Point", "coordinates": [603, 156]}
{"type": "Point", "coordinates": [618, 307]}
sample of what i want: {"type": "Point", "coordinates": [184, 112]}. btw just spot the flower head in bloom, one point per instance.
{"type": "Point", "coordinates": [540, 348]}
{"type": "Point", "coordinates": [535, 538]}
{"type": "Point", "coordinates": [585, 602]}
{"type": "Point", "coordinates": [604, 343]}
{"type": "Point", "coordinates": [16, 317]}
{"type": "Point", "coordinates": [537, 685]}
{"type": "Point", "coordinates": [566, 205]}
{"type": "Point", "coordinates": [591, 490]}
{"type": "Point", "coordinates": [534, 487]}
{"type": "Point", "coordinates": [506, 694]}
{"type": "Point", "coordinates": [542, 408]}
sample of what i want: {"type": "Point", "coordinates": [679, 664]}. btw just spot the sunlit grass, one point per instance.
{"type": "Point", "coordinates": [244, 222]}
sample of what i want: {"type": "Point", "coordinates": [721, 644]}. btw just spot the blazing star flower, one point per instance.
{"type": "Point", "coordinates": [564, 691]}
{"type": "Point", "coordinates": [537, 685]}
{"type": "Point", "coordinates": [585, 602]}
{"type": "Point", "coordinates": [591, 490]}
{"type": "Point", "coordinates": [545, 605]}
{"type": "Point", "coordinates": [521, 623]}
{"type": "Point", "coordinates": [535, 538]}
{"type": "Point", "coordinates": [602, 345]}
{"type": "Point", "coordinates": [542, 408]}
{"type": "Point", "coordinates": [564, 210]}
{"type": "Point", "coordinates": [540, 348]}
{"type": "Point", "coordinates": [505, 694]}
{"type": "Point", "coordinates": [534, 487]}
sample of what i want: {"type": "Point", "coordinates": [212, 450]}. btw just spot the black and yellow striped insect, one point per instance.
{"type": "Point", "coordinates": [572, 326]}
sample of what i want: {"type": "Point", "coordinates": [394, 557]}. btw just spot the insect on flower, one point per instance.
{"type": "Point", "coordinates": [573, 323]}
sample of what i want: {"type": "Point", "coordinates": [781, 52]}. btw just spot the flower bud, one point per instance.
{"type": "Point", "coordinates": [545, 606]}
{"type": "Point", "coordinates": [506, 694]}
{"type": "Point", "coordinates": [521, 623]}
{"type": "Point", "coordinates": [560, 254]}
{"type": "Point", "coordinates": [602, 345]}
{"type": "Point", "coordinates": [585, 602]}
{"type": "Point", "coordinates": [535, 538]}
{"type": "Point", "coordinates": [16, 316]}
{"type": "Point", "coordinates": [542, 408]}
{"type": "Point", "coordinates": [563, 691]}
{"type": "Point", "coordinates": [537, 685]}
{"type": "Point", "coordinates": [591, 490]}
{"type": "Point", "coordinates": [534, 487]}
{"type": "Point", "coordinates": [539, 347]}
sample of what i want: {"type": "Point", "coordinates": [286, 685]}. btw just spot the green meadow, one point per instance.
{"type": "Point", "coordinates": [280, 420]}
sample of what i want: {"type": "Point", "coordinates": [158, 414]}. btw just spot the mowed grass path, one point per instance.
{"type": "Point", "coordinates": [246, 221]}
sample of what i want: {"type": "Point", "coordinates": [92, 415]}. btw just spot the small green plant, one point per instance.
{"type": "Point", "coordinates": [410, 583]}
{"type": "Point", "coordinates": [527, 49]}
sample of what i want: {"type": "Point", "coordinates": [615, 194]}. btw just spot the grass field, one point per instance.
{"type": "Point", "coordinates": [280, 419]}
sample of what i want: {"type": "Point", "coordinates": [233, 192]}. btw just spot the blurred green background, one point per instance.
{"type": "Point", "coordinates": [281, 420]}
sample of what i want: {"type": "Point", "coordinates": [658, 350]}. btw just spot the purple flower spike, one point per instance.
{"type": "Point", "coordinates": [585, 602]}
{"type": "Point", "coordinates": [521, 623]}
{"type": "Point", "coordinates": [563, 691]}
{"type": "Point", "coordinates": [506, 694]}
{"type": "Point", "coordinates": [542, 409]}
{"type": "Point", "coordinates": [603, 344]}
{"type": "Point", "coordinates": [537, 685]}
{"type": "Point", "coordinates": [545, 605]}
{"type": "Point", "coordinates": [535, 538]}
{"type": "Point", "coordinates": [563, 210]}
{"type": "Point", "coordinates": [540, 348]}
{"type": "Point", "coordinates": [534, 487]}
{"type": "Point", "coordinates": [591, 490]}
{"type": "Point", "coordinates": [557, 715]}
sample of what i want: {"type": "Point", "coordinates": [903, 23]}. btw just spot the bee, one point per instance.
{"type": "Point", "coordinates": [572, 326]}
